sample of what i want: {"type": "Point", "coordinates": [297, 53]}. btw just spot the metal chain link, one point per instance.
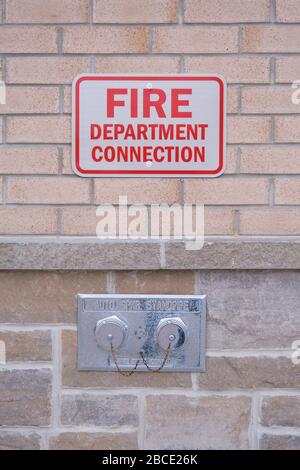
{"type": "Point", "coordinates": [121, 372]}
{"type": "Point", "coordinates": [131, 372]}
{"type": "Point", "coordinates": [162, 364]}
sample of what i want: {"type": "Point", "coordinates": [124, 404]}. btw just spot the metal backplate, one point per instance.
{"type": "Point", "coordinates": [147, 323]}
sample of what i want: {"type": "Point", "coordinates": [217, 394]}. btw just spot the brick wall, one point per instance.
{"type": "Point", "coordinates": [249, 397]}
{"type": "Point", "coordinates": [253, 43]}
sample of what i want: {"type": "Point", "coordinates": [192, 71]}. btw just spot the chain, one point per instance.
{"type": "Point", "coordinates": [129, 373]}
{"type": "Point", "coordinates": [162, 364]}
{"type": "Point", "coordinates": [125, 374]}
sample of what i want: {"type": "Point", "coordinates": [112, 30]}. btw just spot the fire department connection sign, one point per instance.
{"type": "Point", "coordinates": [148, 125]}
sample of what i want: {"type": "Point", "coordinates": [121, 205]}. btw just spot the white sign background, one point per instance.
{"type": "Point", "coordinates": [207, 104]}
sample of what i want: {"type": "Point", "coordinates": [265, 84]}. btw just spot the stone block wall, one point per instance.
{"type": "Point", "coordinates": [248, 398]}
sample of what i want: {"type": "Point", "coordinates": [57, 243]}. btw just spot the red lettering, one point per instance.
{"type": "Point", "coordinates": [176, 103]}
{"type": "Point", "coordinates": [96, 154]}
{"type": "Point", "coordinates": [111, 102]}
{"type": "Point", "coordinates": [134, 103]}
{"type": "Point", "coordinates": [152, 98]}
{"type": "Point", "coordinates": [157, 104]}
{"type": "Point", "coordinates": [95, 131]}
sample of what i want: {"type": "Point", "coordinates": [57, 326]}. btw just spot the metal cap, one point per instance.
{"type": "Point", "coordinates": [110, 330]}
{"type": "Point", "coordinates": [171, 331]}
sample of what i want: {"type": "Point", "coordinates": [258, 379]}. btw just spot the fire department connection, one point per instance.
{"type": "Point", "coordinates": [133, 132]}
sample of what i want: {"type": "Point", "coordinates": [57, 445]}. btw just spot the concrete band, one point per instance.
{"type": "Point", "coordinates": [89, 255]}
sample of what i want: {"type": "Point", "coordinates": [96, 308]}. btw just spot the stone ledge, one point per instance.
{"type": "Point", "coordinates": [95, 255]}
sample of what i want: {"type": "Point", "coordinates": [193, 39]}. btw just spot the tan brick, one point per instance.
{"type": "Point", "coordinates": [274, 221]}
{"type": "Point", "coordinates": [279, 38]}
{"type": "Point", "coordinates": [142, 64]}
{"type": "Point", "coordinates": [1, 189]}
{"type": "Point", "coordinates": [225, 373]}
{"type": "Point", "coordinates": [28, 160]}
{"type": "Point", "coordinates": [270, 160]}
{"type": "Point", "coordinates": [39, 129]}
{"type": "Point", "coordinates": [56, 11]}
{"type": "Point", "coordinates": [232, 99]}
{"type": "Point", "coordinates": [105, 39]}
{"type": "Point", "coordinates": [236, 69]}
{"type": "Point", "coordinates": [287, 69]}
{"type": "Point", "coordinates": [152, 191]}
{"type": "Point", "coordinates": [287, 11]}
{"type": "Point", "coordinates": [287, 129]}
{"type": "Point", "coordinates": [249, 129]}
{"type": "Point", "coordinates": [287, 191]}
{"type": "Point", "coordinates": [67, 161]}
{"type": "Point", "coordinates": [279, 442]}
{"type": "Point", "coordinates": [231, 160]}
{"type": "Point", "coordinates": [218, 221]}
{"type": "Point", "coordinates": [268, 100]}
{"type": "Point", "coordinates": [48, 190]}
{"type": "Point", "coordinates": [25, 397]}
{"type": "Point", "coordinates": [27, 221]}
{"type": "Point", "coordinates": [135, 11]}
{"type": "Point", "coordinates": [31, 100]}
{"type": "Point", "coordinates": [205, 422]}
{"type": "Point", "coordinates": [13, 440]}
{"type": "Point", "coordinates": [67, 99]}
{"type": "Point", "coordinates": [230, 190]}
{"type": "Point", "coordinates": [26, 39]}
{"type": "Point", "coordinates": [79, 221]}
{"type": "Point", "coordinates": [38, 297]}
{"type": "Point", "coordinates": [68, 103]}
{"type": "Point", "coordinates": [93, 441]}
{"type": "Point", "coordinates": [23, 346]}
{"type": "Point", "coordinates": [226, 11]}
{"type": "Point", "coordinates": [104, 410]}
{"type": "Point", "coordinates": [195, 39]}
{"type": "Point", "coordinates": [45, 69]}
{"type": "Point", "coordinates": [155, 282]}
{"type": "Point", "coordinates": [280, 411]}
{"type": "Point", "coordinates": [72, 377]}
{"type": "Point", "coordinates": [1, 130]}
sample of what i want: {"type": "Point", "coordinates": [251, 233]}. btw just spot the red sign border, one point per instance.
{"type": "Point", "coordinates": [83, 172]}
